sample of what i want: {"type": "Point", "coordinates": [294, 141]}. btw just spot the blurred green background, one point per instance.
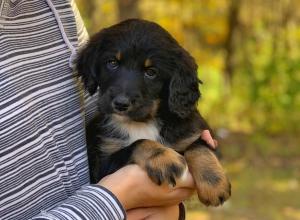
{"type": "Point", "coordinates": [248, 52]}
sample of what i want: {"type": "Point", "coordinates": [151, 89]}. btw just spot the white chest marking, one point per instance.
{"type": "Point", "coordinates": [138, 130]}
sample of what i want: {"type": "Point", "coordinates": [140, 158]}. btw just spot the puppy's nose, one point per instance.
{"type": "Point", "coordinates": [121, 103]}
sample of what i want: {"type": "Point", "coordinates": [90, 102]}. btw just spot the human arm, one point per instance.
{"type": "Point", "coordinates": [90, 202]}
{"type": "Point", "coordinates": [129, 187]}
{"type": "Point", "coordinates": [135, 189]}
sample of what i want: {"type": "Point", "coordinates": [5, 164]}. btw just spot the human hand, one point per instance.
{"type": "Point", "coordinates": [206, 136]}
{"type": "Point", "coordinates": [134, 189]}
{"type": "Point", "coordinates": [155, 213]}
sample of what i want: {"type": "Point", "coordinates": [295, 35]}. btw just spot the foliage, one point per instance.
{"type": "Point", "coordinates": [264, 171]}
{"type": "Point", "coordinates": [248, 53]}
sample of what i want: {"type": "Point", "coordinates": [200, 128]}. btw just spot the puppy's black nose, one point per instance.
{"type": "Point", "coordinates": [121, 103]}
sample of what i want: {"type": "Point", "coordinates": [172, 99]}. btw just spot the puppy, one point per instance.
{"type": "Point", "coordinates": [148, 88]}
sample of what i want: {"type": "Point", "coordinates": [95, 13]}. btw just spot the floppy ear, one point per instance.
{"type": "Point", "coordinates": [88, 63]}
{"type": "Point", "coordinates": [184, 86]}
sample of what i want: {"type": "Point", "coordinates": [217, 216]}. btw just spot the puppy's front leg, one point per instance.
{"type": "Point", "coordinates": [212, 185]}
{"type": "Point", "coordinates": [163, 165]}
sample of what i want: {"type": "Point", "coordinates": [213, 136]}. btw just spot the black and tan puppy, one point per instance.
{"type": "Point", "coordinates": [148, 89]}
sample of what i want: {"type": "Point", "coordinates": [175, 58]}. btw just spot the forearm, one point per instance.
{"type": "Point", "coordinates": [90, 202]}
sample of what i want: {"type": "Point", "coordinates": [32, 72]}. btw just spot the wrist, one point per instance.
{"type": "Point", "coordinates": [121, 188]}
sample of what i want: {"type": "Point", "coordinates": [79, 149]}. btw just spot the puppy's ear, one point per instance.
{"type": "Point", "coordinates": [184, 86]}
{"type": "Point", "coordinates": [88, 63]}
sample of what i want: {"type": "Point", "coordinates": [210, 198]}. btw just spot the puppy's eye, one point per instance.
{"type": "Point", "coordinates": [112, 64]}
{"type": "Point", "coordinates": [151, 73]}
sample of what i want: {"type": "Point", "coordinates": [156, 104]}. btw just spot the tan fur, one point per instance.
{"type": "Point", "coordinates": [148, 62]}
{"type": "Point", "coordinates": [118, 55]}
{"type": "Point", "coordinates": [154, 108]}
{"type": "Point", "coordinates": [202, 161]}
{"type": "Point", "coordinates": [153, 156]}
{"type": "Point", "coordinates": [184, 143]}
{"type": "Point", "coordinates": [148, 148]}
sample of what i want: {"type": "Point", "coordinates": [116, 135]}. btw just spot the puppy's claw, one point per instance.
{"type": "Point", "coordinates": [211, 195]}
{"type": "Point", "coordinates": [221, 200]}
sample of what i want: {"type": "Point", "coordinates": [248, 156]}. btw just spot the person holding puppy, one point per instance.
{"type": "Point", "coordinates": [43, 113]}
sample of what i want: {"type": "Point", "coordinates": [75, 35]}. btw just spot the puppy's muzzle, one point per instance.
{"type": "Point", "coordinates": [121, 103]}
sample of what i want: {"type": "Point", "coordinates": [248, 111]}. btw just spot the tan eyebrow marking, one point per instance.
{"type": "Point", "coordinates": [118, 55]}
{"type": "Point", "coordinates": [148, 62]}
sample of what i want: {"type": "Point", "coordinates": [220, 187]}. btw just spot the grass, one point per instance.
{"type": "Point", "coordinates": [265, 174]}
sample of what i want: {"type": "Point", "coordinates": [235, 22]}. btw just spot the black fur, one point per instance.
{"type": "Point", "coordinates": [175, 86]}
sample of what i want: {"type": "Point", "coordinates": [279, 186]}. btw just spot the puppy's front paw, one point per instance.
{"type": "Point", "coordinates": [166, 167]}
{"type": "Point", "coordinates": [212, 185]}
{"type": "Point", "coordinates": [162, 164]}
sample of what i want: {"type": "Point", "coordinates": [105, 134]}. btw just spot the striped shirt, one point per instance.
{"type": "Point", "coordinates": [43, 160]}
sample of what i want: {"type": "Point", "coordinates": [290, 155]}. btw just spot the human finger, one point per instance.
{"type": "Point", "coordinates": [206, 136]}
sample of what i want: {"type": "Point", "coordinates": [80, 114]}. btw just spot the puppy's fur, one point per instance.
{"type": "Point", "coordinates": [148, 88]}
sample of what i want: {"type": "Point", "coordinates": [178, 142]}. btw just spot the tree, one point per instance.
{"type": "Point", "coordinates": [128, 9]}
{"type": "Point", "coordinates": [229, 43]}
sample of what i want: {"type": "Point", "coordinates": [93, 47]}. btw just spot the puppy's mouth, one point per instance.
{"type": "Point", "coordinates": [135, 113]}
{"type": "Point", "coordinates": [122, 112]}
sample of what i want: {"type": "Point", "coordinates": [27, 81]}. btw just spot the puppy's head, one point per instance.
{"type": "Point", "coordinates": [136, 65]}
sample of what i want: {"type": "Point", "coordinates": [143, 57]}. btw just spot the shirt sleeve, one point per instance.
{"type": "Point", "coordinates": [90, 202]}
